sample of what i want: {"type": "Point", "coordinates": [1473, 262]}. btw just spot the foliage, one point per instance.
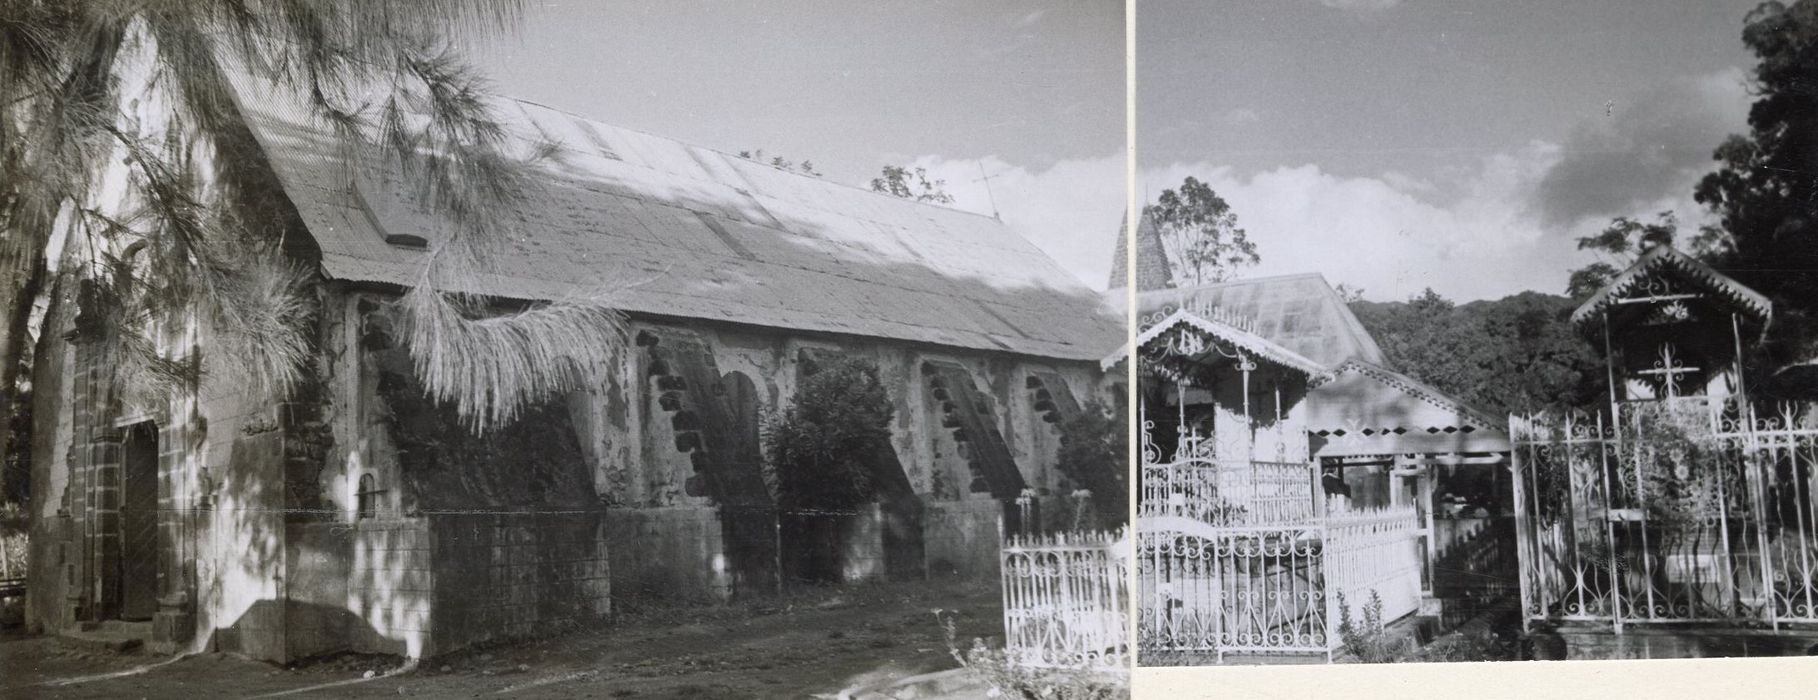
{"type": "Point", "coordinates": [1009, 679]}
{"type": "Point", "coordinates": [493, 367]}
{"type": "Point", "coordinates": [16, 451]}
{"type": "Point", "coordinates": [15, 540]}
{"type": "Point", "coordinates": [1625, 238]}
{"type": "Point", "coordinates": [781, 163]}
{"type": "Point", "coordinates": [1199, 234]}
{"type": "Point", "coordinates": [1366, 639]}
{"type": "Point", "coordinates": [1515, 354]}
{"type": "Point", "coordinates": [1765, 181]}
{"type": "Point", "coordinates": [1094, 449]}
{"type": "Point", "coordinates": [1468, 645]}
{"type": "Point", "coordinates": [200, 235]}
{"type": "Point", "coordinates": [898, 181]}
{"type": "Point", "coordinates": [1684, 468]}
{"type": "Point", "coordinates": [823, 449]}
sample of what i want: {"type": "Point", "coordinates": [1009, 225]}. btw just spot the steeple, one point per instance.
{"type": "Point", "coordinates": [1152, 270]}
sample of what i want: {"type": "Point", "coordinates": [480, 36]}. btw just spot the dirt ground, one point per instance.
{"type": "Point", "coordinates": [807, 644]}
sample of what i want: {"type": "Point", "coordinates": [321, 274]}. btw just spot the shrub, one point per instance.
{"type": "Point", "coordinates": [822, 450]}
{"type": "Point", "coordinates": [1366, 639]}
{"type": "Point", "coordinates": [1093, 453]}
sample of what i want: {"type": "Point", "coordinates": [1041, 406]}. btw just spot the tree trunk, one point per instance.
{"type": "Point", "coordinates": [21, 283]}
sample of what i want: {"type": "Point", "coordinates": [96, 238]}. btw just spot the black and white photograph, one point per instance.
{"type": "Point", "coordinates": [554, 349]}
{"type": "Point", "coordinates": [1475, 331]}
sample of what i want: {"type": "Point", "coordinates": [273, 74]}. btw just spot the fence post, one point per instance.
{"type": "Point", "coordinates": [1524, 536]}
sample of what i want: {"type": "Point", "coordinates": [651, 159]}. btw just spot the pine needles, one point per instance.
{"type": "Point", "coordinates": [191, 248]}
{"type": "Point", "coordinates": [492, 368]}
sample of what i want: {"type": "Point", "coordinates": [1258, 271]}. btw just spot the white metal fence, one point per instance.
{"type": "Point", "coordinates": [1066, 598]}
{"type": "Point", "coordinates": [1375, 551]}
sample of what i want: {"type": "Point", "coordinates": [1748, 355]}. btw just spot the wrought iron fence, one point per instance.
{"type": "Point", "coordinates": [1232, 589]}
{"type": "Point", "coordinates": [1688, 510]}
{"type": "Point", "coordinates": [1065, 599]}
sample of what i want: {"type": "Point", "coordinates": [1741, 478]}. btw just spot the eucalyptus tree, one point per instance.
{"type": "Point", "coordinates": [386, 79]}
{"type": "Point", "coordinates": [1199, 234]}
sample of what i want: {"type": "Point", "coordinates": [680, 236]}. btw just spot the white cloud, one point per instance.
{"type": "Point", "coordinates": [1390, 235]}
{"type": "Point", "coordinates": [1482, 230]}
{"type": "Point", "coordinates": [1070, 210]}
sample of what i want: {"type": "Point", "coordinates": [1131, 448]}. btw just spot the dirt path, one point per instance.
{"type": "Point", "coordinates": [804, 645]}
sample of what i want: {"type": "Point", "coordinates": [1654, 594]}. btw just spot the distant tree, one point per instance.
{"type": "Point", "coordinates": [1518, 353]}
{"type": "Point", "coordinates": [804, 167]}
{"type": "Point", "coordinates": [1625, 239]}
{"type": "Point", "coordinates": [911, 184]}
{"type": "Point", "coordinates": [1349, 293]}
{"type": "Point", "coordinates": [1766, 182]}
{"type": "Point", "coordinates": [1199, 234]}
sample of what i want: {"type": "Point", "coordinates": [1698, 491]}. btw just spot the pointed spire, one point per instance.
{"type": "Point", "coordinates": [1152, 271]}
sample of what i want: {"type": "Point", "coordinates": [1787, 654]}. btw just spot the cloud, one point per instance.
{"type": "Point", "coordinates": [1656, 144]}
{"type": "Point", "coordinates": [1070, 210]}
{"type": "Point", "coordinates": [1393, 236]}
{"type": "Point", "coordinates": [1489, 227]}
{"type": "Point", "coordinates": [1241, 116]}
{"type": "Point", "coordinates": [1360, 5]}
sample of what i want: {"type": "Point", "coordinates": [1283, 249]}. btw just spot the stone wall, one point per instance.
{"type": "Point", "coordinates": [638, 437]}
{"type": "Point", "coordinates": [1676, 643]}
{"type": "Point", "coordinates": [389, 586]}
{"type": "Point", "coordinates": [675, 554]}
{"type": "Point", "coordinates": [960, 538]}
{"type": "Point", "coordinates": [516, 575]}
{"type": "Point", "coordinates": [837, 547]}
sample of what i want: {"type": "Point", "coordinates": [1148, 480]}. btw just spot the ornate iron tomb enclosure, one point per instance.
{"type": "Point", "coordinates": [1237, 551]}
{"type": "Point", "coordinates": [1684, 502]}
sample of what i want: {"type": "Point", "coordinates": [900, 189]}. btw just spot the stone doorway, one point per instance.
{"type": "Point", "coordinates": [138, 569]}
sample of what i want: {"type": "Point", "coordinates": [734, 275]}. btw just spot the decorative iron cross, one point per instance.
{"type": "Point", "coordinates": [1667, 370]}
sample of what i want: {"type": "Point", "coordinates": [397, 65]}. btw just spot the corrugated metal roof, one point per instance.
{"type": "Point", "coordinates": [683, 231]}
{"type": "Point", "coordinates": [1299, 312]}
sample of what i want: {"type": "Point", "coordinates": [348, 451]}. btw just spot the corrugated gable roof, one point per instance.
{"type": "Point", "coordinates": [684, 231]}
{"type": "Point", "coordinates": [1299, 312]}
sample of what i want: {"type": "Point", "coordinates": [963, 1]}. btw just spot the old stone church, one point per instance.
{"type": "Point", "coordinates": [355, 514]}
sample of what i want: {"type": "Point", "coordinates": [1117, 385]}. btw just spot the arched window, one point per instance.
{"type": "Point", "coordinates": [366, 498]}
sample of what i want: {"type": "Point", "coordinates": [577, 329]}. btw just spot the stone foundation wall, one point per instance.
{"type": "Point", "coordinates": [672, 554]}
{"type": "Point", "coordinates": [516, 575]}
{"type": "Point", "coordinates": [1678, 643]}
{"type": "Point", "coordinates": [834, 547]}
{"type": "Point", "coordinates": [961, 537]}
{"type": "Point", "coordinates": [389, 587]}
{"type": "Point", "coordinates": [317, 557]}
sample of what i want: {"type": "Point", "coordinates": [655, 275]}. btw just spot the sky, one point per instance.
{"type": "Point", "coordinates": [1462, 145]}
{"type": "Point", "coordinates": [1018, 106]}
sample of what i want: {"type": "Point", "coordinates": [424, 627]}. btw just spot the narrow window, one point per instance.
{"type": "Point", "coordinates": [366, 498]}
